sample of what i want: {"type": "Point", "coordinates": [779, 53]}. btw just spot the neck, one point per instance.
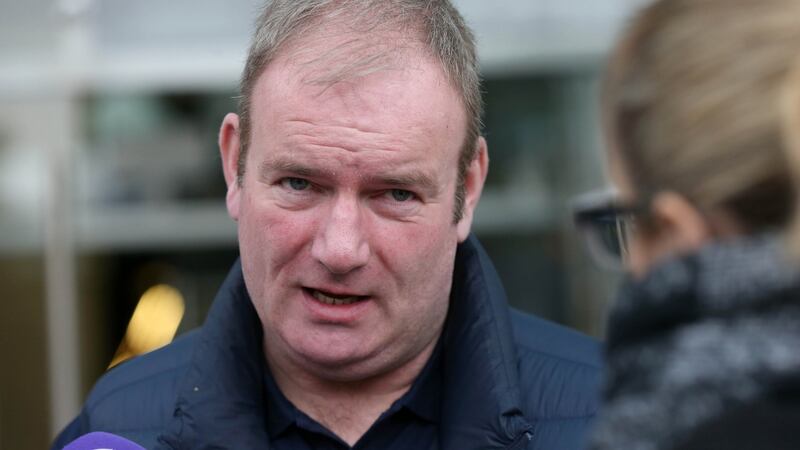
{"type": "Point", "coordinates": [348, 408]}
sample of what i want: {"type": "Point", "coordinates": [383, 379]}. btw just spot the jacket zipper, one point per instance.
{"type": "Point", "coordinates": [521, 441]}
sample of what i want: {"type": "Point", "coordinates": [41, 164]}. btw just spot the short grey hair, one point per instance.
{"type": "Point", "coordinates": [436, 23]}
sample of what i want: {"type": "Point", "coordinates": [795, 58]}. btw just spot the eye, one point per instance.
{"type": "Point", "coordinates": [296, 184]}
{"type": "Point", "coordinates": [401, 195]}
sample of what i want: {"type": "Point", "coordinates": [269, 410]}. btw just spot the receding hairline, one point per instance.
{"type": "Point", "coordinates": [410, 55]}
{"type": "Point", "coordinates": [356, 55]}
{"type": "Point", "coordinates": [392, 21]}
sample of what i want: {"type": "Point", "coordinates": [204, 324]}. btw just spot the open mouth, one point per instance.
{"type": "Point", "coordinates": [333, 299]}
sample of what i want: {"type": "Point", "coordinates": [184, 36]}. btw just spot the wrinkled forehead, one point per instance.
{"type": "Point", "coordinates": [382, 80]}
{"type": "Point", "coordinates": [333, 52]}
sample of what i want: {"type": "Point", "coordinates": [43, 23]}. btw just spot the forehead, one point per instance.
{"type": "Point", "coordinates": [390, 88]}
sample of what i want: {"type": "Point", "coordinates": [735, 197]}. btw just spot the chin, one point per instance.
{"type": "Point", "coordinates": [332, 353]}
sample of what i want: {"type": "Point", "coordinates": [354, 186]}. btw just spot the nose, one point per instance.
{"type": "Point", "coordinates": [340, 244]}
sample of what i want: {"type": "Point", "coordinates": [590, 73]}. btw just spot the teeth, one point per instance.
{"type": "Point", "coordinates": [334, 300]}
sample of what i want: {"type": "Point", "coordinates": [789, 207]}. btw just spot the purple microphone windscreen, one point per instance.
{"type": "Point", "coordinates": [102, 441]}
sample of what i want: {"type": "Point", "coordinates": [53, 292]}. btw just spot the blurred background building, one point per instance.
{"type": "Point", "coordinates": [111, 190]}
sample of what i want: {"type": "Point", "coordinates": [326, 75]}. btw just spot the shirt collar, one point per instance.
{"type": "Point", "coordinates": [421, 400]}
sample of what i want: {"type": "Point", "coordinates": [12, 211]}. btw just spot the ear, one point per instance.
{"type": "Point", "coordinates": [229, 148]}
{"type": "Point", "coordinates": [680, 222]}
{"type": "Point", "coordinates": [678, 227]}
{"type": "Point", "coordinates": [473, 184]}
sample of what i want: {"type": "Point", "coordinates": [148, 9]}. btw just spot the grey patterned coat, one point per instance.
{"type": "Point", "coordinates": [700, 340]}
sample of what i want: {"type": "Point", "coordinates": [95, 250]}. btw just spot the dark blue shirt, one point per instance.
{"type": "Point", "coordinates": [412, 422]}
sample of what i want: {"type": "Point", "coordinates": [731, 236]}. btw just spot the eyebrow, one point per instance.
{"type": "Point", "coordinates": [411, 179]}
{"type": "Point", "coordinates": [419, 180]}
{"type": "Point", "coordinates": [286, 166]}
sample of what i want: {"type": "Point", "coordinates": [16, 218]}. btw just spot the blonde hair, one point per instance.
{"type": "Point", "coordinates": [790, 107]}
{"type": "Point", "coordinates": [691, 104]}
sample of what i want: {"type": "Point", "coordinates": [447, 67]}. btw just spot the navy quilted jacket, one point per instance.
{"type": "Point", "coordinates": [512, 381]}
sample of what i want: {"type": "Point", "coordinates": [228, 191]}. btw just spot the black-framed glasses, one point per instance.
{"type": "Point", "coordinates": [607, 225]}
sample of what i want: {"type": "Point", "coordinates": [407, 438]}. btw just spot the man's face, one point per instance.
{"type": "Point", "coordinates": [345, 213]}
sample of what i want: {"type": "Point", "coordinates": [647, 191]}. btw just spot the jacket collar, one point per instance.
{"type": "Point", "coordinates": [220, 400]}
{"type": "Point", "coordinates": [223, 389]}
{"type": "Point", "coordinates": [481, 405]}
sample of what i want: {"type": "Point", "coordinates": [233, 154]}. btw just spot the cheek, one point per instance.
{"type": "Point", "coordinates": [429, 295]}
{"type": "Point", "coordinates": [643, 253]}
{"type": "Point", "coordinates": [421, 257]}
{"type": "Point", "coordinates": [270, 239]}
{"type": "Point", "coordinates": [636, 261]}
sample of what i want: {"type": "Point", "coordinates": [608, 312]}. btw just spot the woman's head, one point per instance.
{"type": "Point", "coordinates": [693, 119]}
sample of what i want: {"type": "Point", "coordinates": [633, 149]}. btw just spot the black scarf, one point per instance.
{"type": "Point", "coordinates": [697, 336]}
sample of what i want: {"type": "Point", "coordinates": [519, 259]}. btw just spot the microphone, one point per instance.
{"type": "Point", "coordinates": [102, 441]}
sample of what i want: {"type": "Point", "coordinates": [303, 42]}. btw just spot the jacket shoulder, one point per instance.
{"type": "Point", "coordinates": [144, 370]}
{"type": "Point", "coordinates": [560, 370]}
{"type": "Point", "coordinates": [562, 344]}
{"type": "Point", "coordinates": [136, 399]}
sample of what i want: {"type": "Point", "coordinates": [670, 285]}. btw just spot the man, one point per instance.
{"type": "Point", "coordinates": [362, 314]}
